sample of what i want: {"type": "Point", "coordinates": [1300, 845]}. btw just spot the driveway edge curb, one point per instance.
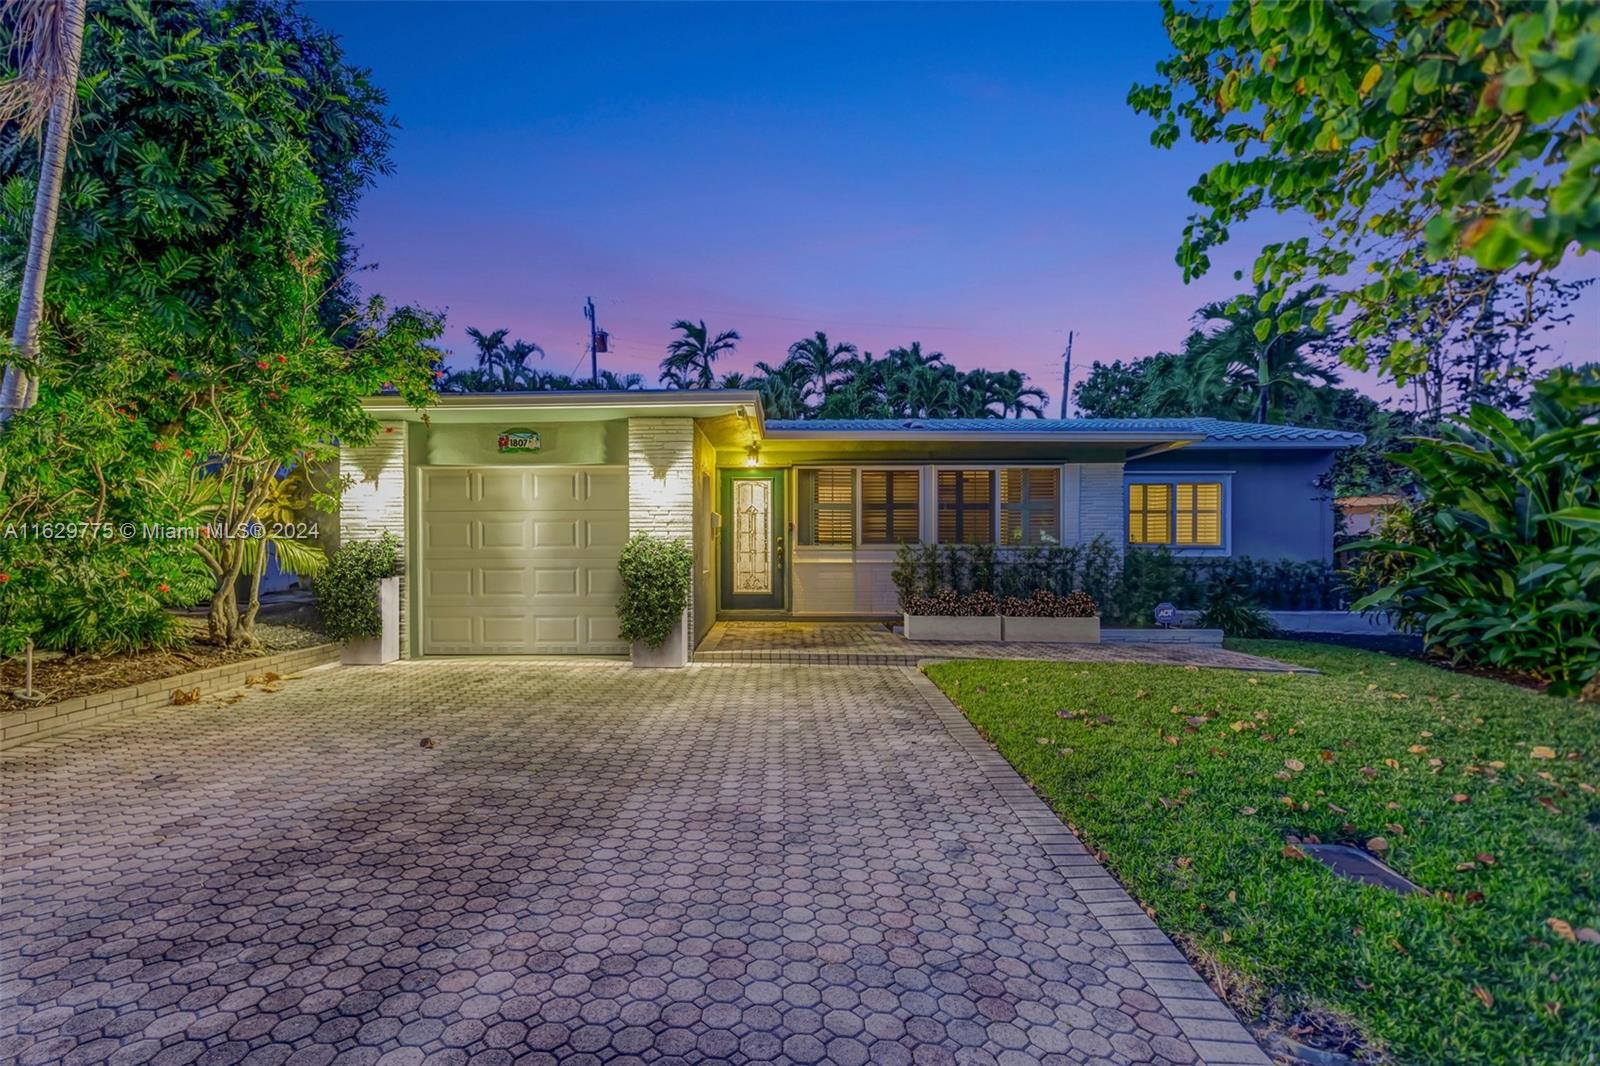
{"type": "Point", "coordinates": [1213, 1030]}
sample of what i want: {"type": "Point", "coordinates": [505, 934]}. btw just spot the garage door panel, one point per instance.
{"type": "Point", "coordinates": [447, 488]}
{"type": "Point", "coordinates": [503, 490]}
{"type": "Point", "coordinates": [503, 581]}
{"type": "Point", "coordinates": [522, 561]}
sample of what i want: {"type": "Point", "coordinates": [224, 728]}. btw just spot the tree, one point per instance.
{"type": "Point", "coordinates": [1253, 350]}
{"type": "Point", "coordinates": [691, 358]}
{"type": "Point", "coordinates": [47, 43]}
{"type": "Point", "coordinates": [501, 365]}
{"type": "Point", "coordinates": [1409, 132]}
{"type": "Point", "coordinates": [822, 360]}
{"type": "Point", "coordinates": [784, 389]}
{"type": "Point", "coordinates": [193, 282]}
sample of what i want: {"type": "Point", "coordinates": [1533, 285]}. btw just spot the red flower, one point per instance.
{"type": "Point", "coordinates": [261, 364]}
{"type": "Point", "coordinates": [188, 453]}
{"type": "Point", "coordinates": [4, 577]}
{"type": "Point", "coordinates": [163, 587]}
{"type": "Point", "coordinates": [283, 358]}
{"type": "Point", "coordinates": [160, 446]}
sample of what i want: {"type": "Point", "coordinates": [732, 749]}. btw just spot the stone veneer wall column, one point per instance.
{"type": "Point", "coordinates": [1098, 503]}
{"type": "Point", "coordinates": [375, 503]}
{"type": "Point", "coordinates": [661, 480]}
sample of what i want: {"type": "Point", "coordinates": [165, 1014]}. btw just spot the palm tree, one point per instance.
{"type": "Point", "coordinates": [691, 358]}
{"type": "Point", "coordinates": [821, 359]}
{"type": "Point", "coordinates": [784, 389]}
{"type": "Point", "coordinates": [1259, 353]}
{"type": "Point", "coordinates": [735, 380]}
{"type": "Point", "coordinates": [611, 380]}
{"type": "Point", "coordinates": [48, 36]}
{"type": "Point", "coordinates": [1015, 396]}
{"type": "Point", "coordinates": [501, 367]}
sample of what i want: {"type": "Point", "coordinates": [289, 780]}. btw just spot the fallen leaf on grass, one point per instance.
{"type": "Point", "coordinates": [1549, 804]}
{"type": "Point", "coordinates": [1294, 764]}
{"type": "Point", "coordinates": [1247, 811]}
{"type": "Point", "coordinates": [1417, 749]}
{"type": "Point", "coordinates": [1292, 852]}
{"type": "Point", "coordinates": [1463, 867]}
{"type": "Point", "coordinates": [1461, 797]}
{"type": "Point", "coordinates": [1378, 845]}
{"type": "Point", "coordinates": [1541, 752]}
{"type": "Point", "coordinates": [1183, 862]}
{"type": "Point", "coordinates": [1562, 929]}
{"type": "Point", "coordinates": [183, 696]}
{"type": "Point", "coordinates": [1484, 996]}
{"type": "Point", "coordinates": [1485, 858]}
{"type": "Point", "coordinates": [1589, 936]}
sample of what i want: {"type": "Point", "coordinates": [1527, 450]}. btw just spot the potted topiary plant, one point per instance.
{"type": "Point", "coordinates": [654, 607]}
{"type": "Point", "coordinates": [948, 615]}
{"type": "Point", "coordinates": [359, 597]}
{"type": "Point", "coordinates": [1048, 618]}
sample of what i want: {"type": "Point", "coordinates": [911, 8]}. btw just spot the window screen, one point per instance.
{"type": "Point", "coordinates": [966, 506]}
{"type": "Point", "coordinates": [1030, 506]}
{"type": "Point", "coordinates": [827, 506]}
{"type": "Point", "coordinates": [889, 500]}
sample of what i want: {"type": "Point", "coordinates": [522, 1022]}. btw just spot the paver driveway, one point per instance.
{"type": "Point", "coordinates": [722, 864]}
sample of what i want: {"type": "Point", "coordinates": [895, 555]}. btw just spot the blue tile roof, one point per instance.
{"type": "Point", "coordinates": [1215, 430]}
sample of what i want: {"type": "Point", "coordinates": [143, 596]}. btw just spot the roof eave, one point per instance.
{"type": "Point", "coordinates": [1056, 437]}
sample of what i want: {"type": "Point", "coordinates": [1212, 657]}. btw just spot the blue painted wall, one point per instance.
{"type": "Point", "coordinates": [1280, 509]}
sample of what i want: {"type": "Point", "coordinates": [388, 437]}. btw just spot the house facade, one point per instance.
{"type": "Point", "coordinates": [512, 508]}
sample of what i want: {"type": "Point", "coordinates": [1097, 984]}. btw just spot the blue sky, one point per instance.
{"type": "Point", "coordinates": [969, 176]}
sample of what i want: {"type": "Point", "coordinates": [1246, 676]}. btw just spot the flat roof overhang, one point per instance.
{"type": "Point", "coordinates": [595, 404]}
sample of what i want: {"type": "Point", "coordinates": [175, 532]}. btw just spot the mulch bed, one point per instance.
{"type": "Point", "coordinates": [84, 675]}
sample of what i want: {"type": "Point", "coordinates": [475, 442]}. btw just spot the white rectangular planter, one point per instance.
{"type": "Point", "coordinates": [374, 651]}
{"type": "Point", "coordinates": [985, 627]}
{"type": "Point", "coordinates": [1052, 630]}
{"type": "Point", "coordinates": [674, 653]}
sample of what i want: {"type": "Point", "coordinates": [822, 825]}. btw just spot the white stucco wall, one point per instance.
{"type": "Point", "coordinates": [661, 475]}
{"type": "Point", "coordinates": [374, 503]}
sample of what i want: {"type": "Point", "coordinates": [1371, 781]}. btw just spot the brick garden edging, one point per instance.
{"type": "Point", "coordinates": [1212, 1028]}
{"type": "Point", "coordinates": [51, 719]}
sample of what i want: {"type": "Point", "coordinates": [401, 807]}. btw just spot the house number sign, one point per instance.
{"type": "Point", "coordinates": [519, 440]}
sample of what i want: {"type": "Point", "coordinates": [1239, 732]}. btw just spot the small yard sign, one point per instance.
{"type": "Point", "coordinates": [519, 440]}
{"type": "Point", "coordinates": [1166, 614]}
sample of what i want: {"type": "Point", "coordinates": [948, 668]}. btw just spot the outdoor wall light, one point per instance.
{"type": "Point", "coordinates": [752, 455]}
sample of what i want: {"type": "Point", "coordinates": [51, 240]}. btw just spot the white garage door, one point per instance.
{"type": "Point", "coordinates": [522, 561]}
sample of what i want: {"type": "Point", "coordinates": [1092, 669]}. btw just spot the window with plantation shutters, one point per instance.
{"type": "Point", "coordinates": [827, 506]}
{"type": "Point", "coordinates": [966, 506]}
{"type": "Point", "coordinates": [1199, 514]}
{"type": "Point", "coordinates": [1149, 513]}
{"type": "Point", "coordinates": [889, 506]}
{"type": "Point", "coordinates": [1030, 506]}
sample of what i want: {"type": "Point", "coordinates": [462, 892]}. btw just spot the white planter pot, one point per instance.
{"type": "Point", "coordinates": [984, 627]}
{"type": "Point", "coordinates": [374, 651]}
{"type": "Point", "coordinates": [1053, 630]}
{"type": "Point", "coordinates": [671, 655]}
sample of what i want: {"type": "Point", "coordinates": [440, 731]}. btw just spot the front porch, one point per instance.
{"type": "Point", "coordinates": [877, 644]}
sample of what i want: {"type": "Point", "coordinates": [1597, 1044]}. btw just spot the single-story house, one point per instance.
{"type": "Point", "coordinates": [512, 507]}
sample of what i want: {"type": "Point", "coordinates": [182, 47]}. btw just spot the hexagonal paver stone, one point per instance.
{"type": "Point", "coordinates": [730, 863]}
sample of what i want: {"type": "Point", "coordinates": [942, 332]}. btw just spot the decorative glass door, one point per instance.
{"type": "Point", "coordinates": [752, 540]}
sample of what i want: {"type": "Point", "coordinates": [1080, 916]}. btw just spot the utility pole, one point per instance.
{"type": "Point", "coordinates": [1066, 375]}
{"type": "Point", "coordinates": [594, 335]}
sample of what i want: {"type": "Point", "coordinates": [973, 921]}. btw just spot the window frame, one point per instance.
{"type": "Point", "coordinates": [1172, 479]}
{"type": "Point", "coordinates": [1027, 507]}
{"type": "Point", "coordinates": [801, 504]}
{"type": "Point", "coordinates": [1064, 485]}
{"type": "Point", "coordinates": [919, 508]}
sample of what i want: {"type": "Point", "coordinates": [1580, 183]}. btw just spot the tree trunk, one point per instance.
{"type": "Point", "coordinates": [18, 390]}
{"type": "Point", "coordinates": [247, 625]}
{"type": "Point", "coordinates": [223, 618]}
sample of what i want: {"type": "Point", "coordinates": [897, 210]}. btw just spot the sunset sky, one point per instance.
{"type": "Point", "coordinates": [969, 176]}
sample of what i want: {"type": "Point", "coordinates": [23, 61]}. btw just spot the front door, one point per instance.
{"type": "Point", "coordinates": [752, 540]}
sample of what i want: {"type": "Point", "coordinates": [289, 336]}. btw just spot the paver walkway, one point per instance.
{"type": "Point", "coordinates": [591, 864]}
{"type": "Point", "coordinates": [870, 643]}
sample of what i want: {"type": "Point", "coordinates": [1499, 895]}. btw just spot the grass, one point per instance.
{"type": "Point", "coordinates": [1193, 782]}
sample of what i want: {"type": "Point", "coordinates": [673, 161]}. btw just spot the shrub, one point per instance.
{"type": "Point", "coordinates": [1230, 609]}
{"type": "Point", "coordinates": [347, 590]}
{"type": "Point", "coordinates": [1406, 526]}
{"type": "Point", "coordinates": [655, 587]}
{"type": "Point", "coordinates": [952, 604]}
{"type": "Point", "coordinates": [1045, 603]}
{"type": "Point", "coordinates": [1509, 572]}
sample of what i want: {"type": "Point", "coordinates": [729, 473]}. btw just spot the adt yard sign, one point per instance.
{"type": "Point", "coordinates": [519, 440]}
{"type": "Point", "coordinates": [1166, 614]}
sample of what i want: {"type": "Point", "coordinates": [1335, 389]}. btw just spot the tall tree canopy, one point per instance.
{"type": "Point", "coordinates": [1410, 131]}
{"type": "Point", "coordinates": [198, 312]}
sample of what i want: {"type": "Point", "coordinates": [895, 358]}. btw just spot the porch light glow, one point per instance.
{"type": "Point", "coordinates": [752, 455]}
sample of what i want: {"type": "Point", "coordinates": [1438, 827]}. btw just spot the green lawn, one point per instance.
{"type": "Point", "coordinates": [1190, 781]}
